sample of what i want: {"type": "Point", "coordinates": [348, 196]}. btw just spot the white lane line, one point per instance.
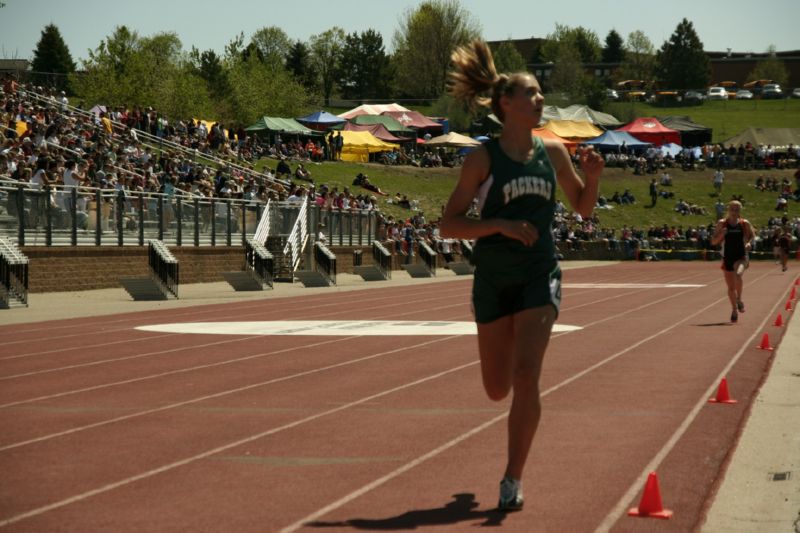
{"type": "Point", "coordinates": [404, 468]}
{"type": "Point", "coordinates": [623, 504]}
{"type": "Point", "coordinates": [220, 449]}
{"type": "Point", "coordinates": [408, 466]}
{"type": "Point", "coordinates": [630, 285]}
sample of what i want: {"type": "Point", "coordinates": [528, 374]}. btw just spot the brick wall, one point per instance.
{"type": "Point", "coordinates": [80, 268]}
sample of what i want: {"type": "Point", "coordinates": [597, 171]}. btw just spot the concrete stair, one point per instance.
{"type": "Point", "coordinates": [418, 270]}
{"type": "Point", "coordinates": [145, 289]}
{"type": "Point", "coordinates": [312, 278]}
{"type": "Point", "coordinates": [244, 281]}
{"type": "Point", "coordinates": [370, 273]}
{"type": "Point", "coordinates": [461, 268]}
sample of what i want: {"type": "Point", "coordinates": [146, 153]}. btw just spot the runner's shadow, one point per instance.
{"type": "Point", "coordinates": [714, 324]}
{"type": "Point", "coordinates": [461, 509]}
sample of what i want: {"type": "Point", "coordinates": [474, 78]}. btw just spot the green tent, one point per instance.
{"type": "Point", "coordinates": [388, 122]}
{"type": "Point", "coordinates": [281, 125]}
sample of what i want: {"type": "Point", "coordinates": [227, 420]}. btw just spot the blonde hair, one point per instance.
{"type": "Point", "coordinates": [475, 75]}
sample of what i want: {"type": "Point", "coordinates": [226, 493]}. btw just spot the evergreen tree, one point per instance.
{"type": "Point", "coordinates": [52, 63]}
{"type": "Point", "coordinates": [614, 51]}
{"type": "Point", "coordinates": [681, 63]}
{"type": "Point", "coordinates": [298, 63]}
{"type": "Point", "coordinates": [364, 71]}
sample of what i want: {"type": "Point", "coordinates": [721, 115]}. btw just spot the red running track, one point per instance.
{"type": "Point", "coordinates": [110, 428]}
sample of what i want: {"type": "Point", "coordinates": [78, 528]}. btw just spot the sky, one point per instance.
{"type": "Point", "coordinates": [741, 25]}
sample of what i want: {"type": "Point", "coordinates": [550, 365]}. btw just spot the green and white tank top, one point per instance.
{"type": "Point", "coordinates": [517, 191]}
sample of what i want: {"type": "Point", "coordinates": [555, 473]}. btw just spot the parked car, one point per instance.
{"type": "Point", "coordinates": [693, 97]}
{"type": "Point", "coordinates": [611, 94]}
{"type": "Point", "coordinates": [717, 93]}
{"type": "Point", "coordinates": [771, 91]}
{"type": "Point", "coordinates": [744, 94]}
{"type": "Point", "coordinates": [796, 92]}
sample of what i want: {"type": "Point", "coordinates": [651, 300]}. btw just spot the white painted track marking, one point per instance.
{"type": "Point", "coordinates": [330, 328]}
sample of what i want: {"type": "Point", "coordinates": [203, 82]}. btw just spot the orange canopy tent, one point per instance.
{"type": "Point", "coordinates": [544, 133]}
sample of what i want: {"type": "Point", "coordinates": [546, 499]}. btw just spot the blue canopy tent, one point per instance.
{"type": "Point", "coordinates": [612, 141]}
{"type": "Point", "coordinates": [320, 120]}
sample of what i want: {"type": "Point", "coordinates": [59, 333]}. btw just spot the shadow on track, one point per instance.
{"type": "Point", "coordinates": [461, 509]}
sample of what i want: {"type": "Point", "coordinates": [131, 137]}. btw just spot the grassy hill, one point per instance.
{"type": "Point", "coordinates": [432, 188]}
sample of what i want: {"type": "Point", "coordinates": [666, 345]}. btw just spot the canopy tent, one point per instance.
{"type": "Point", "coordinates": [779, 138]}
{"type": "Point", "coordinates": [320, 120]}
{"type": "Point", "coordinates": [359, 144]}
{"type": "Point", "coordinates": [378, 130]}
{"type": "Point", "coordinates": [371, 109]}
{"type": "Point", "coordinates": [413, 119]}
{"type": "Point", "coordinates": [671, 149]}
{"type": "Point", "coordinates": [573, 129]}
{"type": "Point", "coordinates": [614, 140]}
{"type": "Point", "coordinates": [652, 131]}
{"type": "Point", "coordinates": [580, 113]}
{"type": "Point", "coordinates": [388, 122]}
{"type": "Point", "coordinates": [452, 140]}
{"type": "Point", "coordinates": [692, 133]}
{"type": "Point", "coordinates": [280, 125]}
{"type": "Point", "coordinates": [544, 133]}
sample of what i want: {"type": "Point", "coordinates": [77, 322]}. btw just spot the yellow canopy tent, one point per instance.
{"type": "Point", "coordinates": [358, 145]}
{"type": "Point", "coordinates": [572, 129]}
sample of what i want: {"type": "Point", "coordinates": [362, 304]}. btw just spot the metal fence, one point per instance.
{"type": "Point", "coordinates": [71, 216]}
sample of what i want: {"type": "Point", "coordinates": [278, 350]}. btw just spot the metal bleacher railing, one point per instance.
{"type": "Point", "coordinates": [382, 258]}
{"type": "Point", "coordinates": [86, 216]}
{"type": "Point", "coordinates": [298, 238]}
{"type": "Point", "coordinates": [325, 262]}
{"type": "Point", "coordinates": [13, 275]}
{"type": "Point", "coordinates": [164, 266]}
{"type": "Point", "coordinates": [428, 256]}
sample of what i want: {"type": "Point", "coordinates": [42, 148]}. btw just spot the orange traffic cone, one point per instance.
{"type": "Point", "coordinates": [779, 321]}
{"type": "Point", "coordinates": [765, 343]}
{"type": "Point", "coordinates": [793, 294]}
{"type": "Point", "coordinates": [650, 504]}
{"type": "Point", "coordinates": [788, 306]}
{"type": "Point", "coordinates": [722, 393]}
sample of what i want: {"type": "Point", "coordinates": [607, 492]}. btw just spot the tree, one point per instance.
{"type": "Point", "coordinates": [298, 63]}
{"type": "Point", "coordinates": [585, 42]}
{"type": "Point", "coordinates": [508, 59]}
{"type": "Point", "coordinates": [639, 59]}
{"type": "Point", "coordinates": [208, 66]}
{"type": "Point", "coordinates": [614, 51]}
{"type": "Point", "coordinates": [424, 42]}
{"type": "Point", "coordinates": [681, 63]}
{"type": "Point", "coordinates": [273, 46]}
{"type": "Point", "coordinates": [364, 70]}
{"type": "Point", "coordinates": [770, 68]}
{"type": "Point", "coordinates": [256, 90]}
{"type": "Point", "coordinates": [52, 63]}
{"type": "Point", "coordinates": [326, 52]}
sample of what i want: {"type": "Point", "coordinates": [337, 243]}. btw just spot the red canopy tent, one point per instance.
{"type": "Point", "coordinates": [378, 130]}
{"type": "Point", "coordinates": [414, 119]}
{"type": "Point", "coordinates": [652, 131]}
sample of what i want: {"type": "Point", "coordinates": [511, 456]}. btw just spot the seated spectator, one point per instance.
{"type": "Point", "coordinates": [627, 197]}
{"type": "Point", "coordinates": [682, 207]}
{"type": "Point", "coordinates": [283, 169]}
{"type": "Point", "coordinates": [302, 173]}
{"type": "Point", "coordinates": [666, 179]}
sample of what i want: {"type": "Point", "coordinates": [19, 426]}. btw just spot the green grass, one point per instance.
{"type": "Point", "coordinates": [725, 117]}
{"type": "Point", "coordinates": [432, 188]}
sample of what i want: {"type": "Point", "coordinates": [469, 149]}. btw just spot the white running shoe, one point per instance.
{"type": "Point", "coordinates": [510, 495]}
